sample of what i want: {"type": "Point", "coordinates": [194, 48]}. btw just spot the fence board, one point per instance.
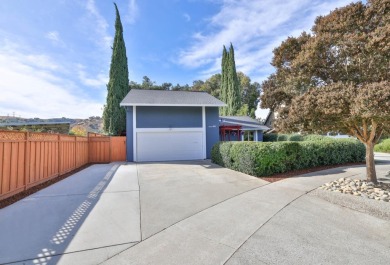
{"type": "Point", "coordinates": [14, 167]}
{"type": "Point", "coordinates": [1, 165]}
{"type": "Point", "coordinates": [6, 168]}
{"type": "Point", "coordinates": [21, 164]}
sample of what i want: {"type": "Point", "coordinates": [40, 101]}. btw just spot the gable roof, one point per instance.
{"type": "Point", "coordinates": [244, 121]}
{"type": "Point", "coordinates": [143, 97]}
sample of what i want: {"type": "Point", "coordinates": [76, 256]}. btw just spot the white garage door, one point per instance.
{"type": "Point", "coordinates": [168, 146]}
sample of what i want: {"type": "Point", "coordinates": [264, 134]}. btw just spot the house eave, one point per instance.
{"type": "Point", "coordinates": [171, 105]}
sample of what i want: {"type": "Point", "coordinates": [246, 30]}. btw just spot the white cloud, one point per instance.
{"type": "Point", "coordinates": [99, 25]}
{"type": "Point", "coordinates": [132, 12]}
{"type": "Point", "coordinates": [255, 28]}
{"type": "Point", "coordinates": [53, 35]}
{"type": "Point", "coordinates": [36, 89]}
{"type": "Point", "coordinates": [98, 82]}
{"type": "Point", "coordinates": [187, 17]}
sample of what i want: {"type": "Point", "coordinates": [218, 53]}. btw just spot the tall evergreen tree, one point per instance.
{"type": "Point", "coordinates": [234, 93]}
{"type": "Point", "coordinates": [230, 86]}
{"type": "Point", "coordinates": [224, 82]}
{"type": "Point", "coordinates": [114, 116]}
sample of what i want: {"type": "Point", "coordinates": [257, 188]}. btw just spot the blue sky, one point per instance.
{"type": "Point", "coordinates": [55, 54]}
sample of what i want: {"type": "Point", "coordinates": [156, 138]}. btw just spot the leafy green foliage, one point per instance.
{"type": "Point", "coordinates": [383, 146]}
{"type": "Point", "coordinates": [114, 116]}
{"type": "Point", "coordinates": [264, 159]}
{"type": "Point", "coordinates": [273, 137]}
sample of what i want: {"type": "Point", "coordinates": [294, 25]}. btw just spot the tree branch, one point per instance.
{"type": "Point", "coordinates": [359, 132]}
{"type": "Point", "coordinates": [374, 125]}
{"type": "Point", "coordinates": [355, 133]}
{"type": "Point", "coordinates": [365, 129]}
{"type": "Point", "coordinates": [378, 135]}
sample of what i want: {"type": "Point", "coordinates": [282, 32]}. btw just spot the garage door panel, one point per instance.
{"type": "Point", "coordinates": [167, 146]}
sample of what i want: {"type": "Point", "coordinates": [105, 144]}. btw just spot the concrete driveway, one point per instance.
{"type": "Point", "coordinates": [192, 213]}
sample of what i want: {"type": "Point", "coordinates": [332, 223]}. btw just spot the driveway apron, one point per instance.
{"type": "Point", "coordinates": [276, 223]}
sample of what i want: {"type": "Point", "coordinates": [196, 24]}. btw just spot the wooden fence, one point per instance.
{"type": "Point", "coordinates": [28, 159]}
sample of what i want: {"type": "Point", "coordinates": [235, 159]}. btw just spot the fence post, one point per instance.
{"type": "Point", "coordinates": [26, 160]}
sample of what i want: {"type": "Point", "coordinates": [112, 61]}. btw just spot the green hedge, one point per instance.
{"type": "Point", "coordinates": [383, 146]}
{"type": "Point", "coordinates": [273, 137]}
{"type": "Point", "coordinates": [264, 159]}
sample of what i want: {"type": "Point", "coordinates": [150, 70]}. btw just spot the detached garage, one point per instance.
{"type": "Point", "coordinates": [170, 125]}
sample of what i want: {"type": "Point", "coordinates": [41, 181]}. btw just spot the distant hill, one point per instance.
{"type": "Point", "coordinates": [92, 124]}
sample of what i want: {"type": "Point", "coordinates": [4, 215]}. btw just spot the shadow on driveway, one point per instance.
{"type": "Point", "coordinates": [40, 227]}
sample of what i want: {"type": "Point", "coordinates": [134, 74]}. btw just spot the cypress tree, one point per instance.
{"type": "Point", "coordinates": [230, 86]}
{"type": "Point", "coordinates": [234, 95]}
{"type": "Point", "coordinates": [224, 83]}
{"type": "Point", "coordinates": [114, 116]}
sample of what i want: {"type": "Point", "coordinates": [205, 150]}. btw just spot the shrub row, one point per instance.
{"type": "Point", "coordinates": [274, 137]}
{"type": "Point", "coordinates": [383, 146]}
{"type": "Point", "coordinates": [265, 159]}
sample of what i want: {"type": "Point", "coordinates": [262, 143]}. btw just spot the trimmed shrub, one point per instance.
{"type": "Point", "coordinates": [264, 159]}
{"type": "Point", "coordinates": [383, 146]}
{"type": "Point", "coordinates": [274, 137]}
{"type": "Point", "coordinates": [316, 137]}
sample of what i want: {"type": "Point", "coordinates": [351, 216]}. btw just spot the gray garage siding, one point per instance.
{"type": "Point", "coordinates": [169, 117]}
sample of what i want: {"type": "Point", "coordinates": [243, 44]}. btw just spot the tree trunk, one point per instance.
{"type": "Point", "coordinates": [370, 163]}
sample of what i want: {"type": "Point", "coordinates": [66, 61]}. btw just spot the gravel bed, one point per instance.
{"type": "Point", "coordinates": [358, 195]}
{"type": "Point", "coordinates": [357, 187]}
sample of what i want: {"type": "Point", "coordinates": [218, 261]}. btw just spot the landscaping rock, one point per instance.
{"type": "Point", "coordinates": [361, 188]}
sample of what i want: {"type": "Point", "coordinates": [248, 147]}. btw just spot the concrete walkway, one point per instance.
{"type": "Point", "coordinates": [191, 213]}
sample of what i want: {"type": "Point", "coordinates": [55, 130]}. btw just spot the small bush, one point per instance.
{"type": "Point", "coordinates": [295, 137]}
{"type": "Point", "coordinates": [264, 159]}
{"type": "Point", "coordinates": [270, 137]}
{"type": "Point", "coordinates": [282, 137]}
{"type": "Point", "coordinates": [383, 146]}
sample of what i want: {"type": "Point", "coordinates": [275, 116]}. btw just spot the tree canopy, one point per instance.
{"type": "Point", "coordinates": [114, 116]}
{"type": "Point", "coordinates": [336, 78]}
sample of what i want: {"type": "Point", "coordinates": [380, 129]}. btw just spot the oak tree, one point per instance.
{"type": "Point", "coordinates": [337, 77]}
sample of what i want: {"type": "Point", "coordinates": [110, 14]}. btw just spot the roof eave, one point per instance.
{"type": "Point", "coordinates": [171, 105]}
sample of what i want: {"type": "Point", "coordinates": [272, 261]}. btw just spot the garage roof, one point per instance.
{"type": "Point", "coordinates": [141, 97]}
